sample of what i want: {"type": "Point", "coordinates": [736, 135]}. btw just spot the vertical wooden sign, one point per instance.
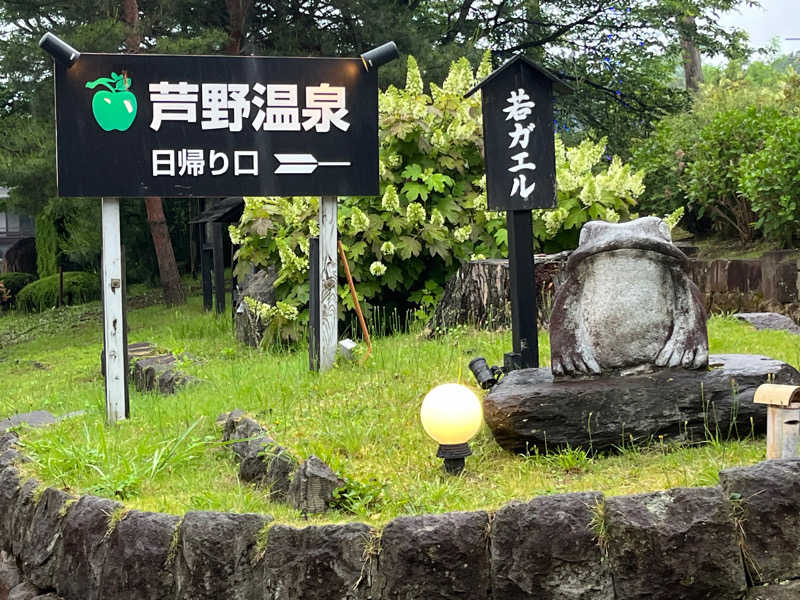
{"type": "Point", "coordinates": [518, 138]}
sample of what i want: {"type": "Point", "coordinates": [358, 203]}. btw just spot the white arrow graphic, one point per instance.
{"type": "Point", "coordinates": [302, 164]}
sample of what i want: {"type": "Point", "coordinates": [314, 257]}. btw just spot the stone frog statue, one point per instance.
{"type": "Point", "coordinates": [627, 301]}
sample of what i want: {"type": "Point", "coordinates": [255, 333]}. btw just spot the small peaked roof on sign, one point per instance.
{"type": "Point", "coordinates": [224, 210]}
{"type": "Point", "coordinates": [558, 85]}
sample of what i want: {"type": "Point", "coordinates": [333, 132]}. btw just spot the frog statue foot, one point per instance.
{"type": "Point", "coordinates": [627, 302]}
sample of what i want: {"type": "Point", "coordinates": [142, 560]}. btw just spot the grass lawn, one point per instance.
{"type": "Point", "coordinates": [362, 420]}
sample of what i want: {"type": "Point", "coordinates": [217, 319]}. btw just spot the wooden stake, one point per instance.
{"type": "Point", "coordinates": [113, 314]}
{"type": "Point", "coordinates": [328, 274]}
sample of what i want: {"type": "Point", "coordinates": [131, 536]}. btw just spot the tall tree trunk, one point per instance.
{"type": "Point", "coordinates": [167, 267]}
{"type": "Point", "coordinates": [237, 12]}
{"type": "Point", "coordinates": [692, 68]}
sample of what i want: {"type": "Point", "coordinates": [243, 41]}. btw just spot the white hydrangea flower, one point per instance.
{"type": "Point", "coordinates": [377, 268]}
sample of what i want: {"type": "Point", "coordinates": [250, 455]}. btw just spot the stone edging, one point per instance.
{"type": "Point", "coordinates": [709, 542]}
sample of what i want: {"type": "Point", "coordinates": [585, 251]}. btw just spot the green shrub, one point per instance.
{"type": "Point", "coordinates": [432, 213]}
{"type": "Point", "coordinates": [43, 294]}
{"type": "Point", "coordinates": [712, 177]}
{"type": "Point", "coordinates": [12, 284]}
{"type": "Point", "coordinates": [770, 178]}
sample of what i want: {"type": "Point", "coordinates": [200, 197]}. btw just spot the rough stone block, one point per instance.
{"type": "Point", "coordinates": [546, 549]}
{"type": "Point", "coordinates": [768, 496]}
{"type": "Point", "coordinates": [21, 515]}
{"type": "Point", "coordinates": [10, 485]}
{"type": "Point", "coordinates": [316, 563]}
{"type": "Point", "coordinates": [158, 373]}
{"type": "Point", "coordinates": [216, 554]}
{"type": "Point", "coordinates": [680, 544]}
{"type": "Point", "coordinates": [9, 575]}
{"type": "Point", "coordinates": [441, 556]}
{"type": "Point", "coordinates": [138, 564]}
{"type": "Point", "coordinates": [41, 548]}
{"type": "Point", "coordinates": [24, 591]}
{"type": "Point", "coordinates": [312, 486]}
{"type": "Point", "coordinates": [85, 527]}
{"type": "Point", "coordinates": [786, 590]}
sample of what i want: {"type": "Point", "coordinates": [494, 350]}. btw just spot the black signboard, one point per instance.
{"type": "Point", "coordinates": [517, 106]}
{"type": "Point", "coordinates": [150, 125]}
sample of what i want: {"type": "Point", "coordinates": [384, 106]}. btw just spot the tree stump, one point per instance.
{"type": "Point", "coordinates": [479, 294]}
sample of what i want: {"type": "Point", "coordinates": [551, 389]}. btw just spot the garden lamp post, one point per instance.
{"type": "Point", "coordinates": [451, 414]}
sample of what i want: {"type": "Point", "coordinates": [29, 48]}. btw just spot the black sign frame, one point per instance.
{"type": "Point", "coordinates": [101, 154]}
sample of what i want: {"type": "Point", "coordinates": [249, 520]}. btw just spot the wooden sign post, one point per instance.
{"type": "Point", "coordinates": [141, 125]}
{"type": "Point", "coordinates": [518, 137]}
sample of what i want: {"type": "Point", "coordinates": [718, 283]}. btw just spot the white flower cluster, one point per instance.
{"type": "Point", "coordinates": [266, 312]}
{"type": "Point", "coordinates": [415, 213]}
{"type": "Point", "coordinates": [377, 268]}
{"type": "Point", "coordinates": [462, 233]}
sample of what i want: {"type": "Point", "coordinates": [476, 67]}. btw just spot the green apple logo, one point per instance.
{"type": "Point", "coordinates": [114, 108]}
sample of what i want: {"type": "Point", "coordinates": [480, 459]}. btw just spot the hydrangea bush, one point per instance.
{"type": "Point", "coordinates": [432, 213]}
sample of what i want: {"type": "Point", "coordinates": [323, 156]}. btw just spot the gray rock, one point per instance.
{"type": "Point", "coordinates": [37, 418]}
{"type": "Point", "coordinates": [529, 409]}
{"type": "Point", "coordinates": [259, 286]}
{"type": "Point", "coordinates": [441, 556]}
{"type": "Point", "coordinates": [215, 557]}
{"type": "Point", "coordinates": [770, 320]}
{"type": "Point", "coordinates": [263, 461]}
{"type": "Point", "coordinates": [85, 527]}
{"type": "Point", "coordinates": [24, 591]}
{"type": "Point", "coordinates": [679, 544]}
{"type": "Point", "coordinates": [21, 517]}
{"type": "Point", "coordinates": [48, 597]}
{"type": "Point", "coordinates": [138, 565]}
{"type": "Point", "coordinates": [8, 440]}
{"type": "Point", "coordinates": [159, 373]}
{"type": "Point", "coordinates": [316, 563]}
{"type": "Point", "coordinates": [271, 466]}
{"type": "Point", "coordinates": [312, 486]}
{"type": "Point", "coordinates": [9, 574]}
{"type": "Point", "coordinates": [9, 458]}
{"type": "Point", "coordinates": [627, 301]}
{"type": "Point", "coordinates": [42, 543]}
{"type": "Point", "coordinates": [9, 491]}
{"type": "Point", "coordinates": [767, 501]}
{"type": "Point", "coordinates": [786, 590]}
{"type": "Point", "coordinates": [546, 549]}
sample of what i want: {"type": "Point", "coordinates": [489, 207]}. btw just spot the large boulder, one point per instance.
{"type": "Point", "coordinates": [529, 408]}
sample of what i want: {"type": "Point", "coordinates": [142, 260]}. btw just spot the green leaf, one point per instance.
{"type": "Point", "coordinates": [413, 190]}
{"type": "Point", "coordinates": [413, 171]}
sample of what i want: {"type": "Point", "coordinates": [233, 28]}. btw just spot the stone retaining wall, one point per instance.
{"type": "Point", "coordinates": [686, 543]}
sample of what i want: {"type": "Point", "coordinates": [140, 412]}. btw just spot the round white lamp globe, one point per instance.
{"type": "Point", "coordinates": [451, 414]}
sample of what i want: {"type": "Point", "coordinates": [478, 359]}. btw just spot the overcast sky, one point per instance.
{"type": "Point", "coordinates": [776, 18]}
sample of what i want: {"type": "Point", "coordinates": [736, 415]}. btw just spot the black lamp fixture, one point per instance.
{"type": "Point", "coordinates": [377, 57]}
{"type": "Point", "coordinates": [60, 50]}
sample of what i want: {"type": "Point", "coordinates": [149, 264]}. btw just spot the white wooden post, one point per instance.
{"type": "Point", "coordinates": [328, 278]}
{"type": "Point", "coordinates": [113, 316]}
